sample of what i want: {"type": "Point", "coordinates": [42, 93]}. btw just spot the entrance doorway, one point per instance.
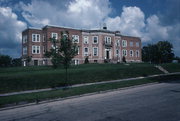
{"type": "Point", "coordinates": [107, 54]}
{"type": "Point", "coordinates": [35, 62]}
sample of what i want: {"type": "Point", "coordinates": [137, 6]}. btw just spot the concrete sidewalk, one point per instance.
{"type": "Point", "coordinates": [86, 84]}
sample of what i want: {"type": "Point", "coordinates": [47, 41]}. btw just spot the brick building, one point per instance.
{"type": "Point", "coordinates": [99, 45]}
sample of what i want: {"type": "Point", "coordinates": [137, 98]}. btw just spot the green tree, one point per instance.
{"type": "Point", "coordinates": [64, 53]}
{"type": "Point", "coordinates": [16, 62]}
{"type": "Point", "coordinates": [124, 59]}
{"type": "Point", "coordinates": [5, 60]}
{"type": "Point", "coordinates": [166, 54]}
{"type": "Point", "coordinates": [86, 61]}
{"type": "Point", "coordinates": [158, 53]}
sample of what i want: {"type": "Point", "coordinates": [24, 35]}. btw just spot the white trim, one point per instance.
{"type": "Point", "coordinates": [124, 43]}
{"type": "Point", "coordinates": [124, 52]}
{"type": "Point", "coordinates": [86, 53]}
{"type": "Point", "coordinates": [107, 40]}
{"type": "Point", "coordinates": [36, 37]}
{"type": "Point", "coordinates": [97, 51]}
{"type": "Point", "coordinates": [36, 49]}
{"type": "Point", "coordinates": [131, 54]}
{"type": "Point", "coordinates": [74, 38]}
{"type": "Point", "coordinates": [25, 50]}
{"type": "Point", "coordinates": [93, 39]}
{"type": "Point", "coordinates": [56, 35]}
{"type": "Point", "coordinates": [86, 41]}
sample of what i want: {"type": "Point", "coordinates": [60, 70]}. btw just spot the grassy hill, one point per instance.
{"type": "Point", "coordinates": [27, 78]}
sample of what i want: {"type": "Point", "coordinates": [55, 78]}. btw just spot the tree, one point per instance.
{"type": "Point", "coordinates": [5, 60]}
{"type": "Point", "coordinates": [124, 59]}
{"type": "Point", "coordinates": [16, 62]}
{"type": "Point", "coordinates": [64, 53]}
{"type": "Point", "coordinates": [158, 53]}
{"type": "Point", "coordinates": [28, 60]}
{"type": "Point", "coordinates": [86, 61]}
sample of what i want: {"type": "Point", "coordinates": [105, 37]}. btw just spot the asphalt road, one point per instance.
{"type": "Point", "coordinates": [157, 102]}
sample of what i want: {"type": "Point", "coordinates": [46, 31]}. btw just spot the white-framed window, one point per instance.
{"type": "Point", "coordinates": [86, 39]}
{"type": "Point", "coordinates": [131, 53]}
{"type": "Point", "coordinates": [137, 53]}
{"type": "Point", "coordinates": [131, 44]}
{"type": "Point", "coordinates": [108, 40]}
{"type": "Point", "coordinates": [75, 62]}
{"type": "Point", "coordinates": [86, 51]}
{"type": "Point", "coordinates": [117, 42]}
{"type": "Point", "coordinates": [24, 50]}
{"type": "Point", "coordinates": [95, 39]}
{"type": "Point", "coordinates": [35, 49]}
{"type": "Point", "coordinates": [137, 44]}
{"type": "Point", "coordinates": [44, 38]}
{"type": "Point", "coordinates": [117, 52]}
{"type": "Point", "coordinates": [54, 35]}
{"type": "Point", "coordinates": [35, 37]}
{"type": "Point", "coordinates": [44, 49]}
{"type": "Point", "coordinates": [75, 38]}
{"type": "Point", "coordinates": [124, 52]}
{"type": "Point", "coordinates": [124, 43]}
{"type": "Point", "coordinates": [77, 49]}
{"type": "Point", "coordinates": [95, 51]}
{"type": "Point", "coordinates": [24, 38]}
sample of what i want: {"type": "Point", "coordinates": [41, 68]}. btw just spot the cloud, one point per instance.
{"type": "Point", "coordinates": [90, 14]}
{"type": "Point", "coordinates": [130, 22]}
{"type": "Point", "coordinates": [10, 31]}
{"type": "Point", "coordinates": [78, 13]}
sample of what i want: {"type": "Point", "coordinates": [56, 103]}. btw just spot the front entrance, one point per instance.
{"type": "Point", "coordinates": [107, 54]}
{"type": "Point", "coordinates": [35, 62]}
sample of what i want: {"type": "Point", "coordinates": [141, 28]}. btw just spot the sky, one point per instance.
{"type": "Point", "coordinates": [151, 20]}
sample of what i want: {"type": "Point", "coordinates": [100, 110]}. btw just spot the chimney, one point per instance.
{"type": "Point", "coordinates": [104, 26]}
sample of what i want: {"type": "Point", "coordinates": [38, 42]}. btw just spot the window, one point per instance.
{"type": "Point", "coordinates": [124, 52]}
{"type": "Point", "coordinates": [75, 38]}
{"type": "Point", "coordinates": [86, 51]}
{"type": "Point", "coordinates": [24, 38]}
{"type": "Point", "coordinates": [36, 37]}
{"type": "Point", "coordinates": [95, 61]}
{"type": "Point", "coordinates": [131, 53]}
{"type": "Point", "coordinates": [86, 39]}
{"type": "Point", "coordinates": [77, 49]}
{"type": "Point", "coordinates": [117, 42]}
{"type": "Point", "coordinates": [44, 49]}
{"type": "Point", "coordinates": [124, 43]}
{"type": "Point", "coordinates": [54, 35]}
{"type": "Point", "coordinates": [131, 44]}
{"type": "Point", "coordinates": [43, 38]}
{"type": "Point", "coordinates": [137, 53]}
{"type": "Point", "coordinates": [137, 44]}
{"type": "Point", "coordinates": [95, 51]}
{"type": "Point", "coordinates": [95, 39]}
{"type": "Point", "coordinates": [117, 52]}
{"type": "Point", "coordinates": [35, 49]}
{"type": "Point", "coordinates": [108, 40]}
{"type": "Point", "coordinates": [24, 50]}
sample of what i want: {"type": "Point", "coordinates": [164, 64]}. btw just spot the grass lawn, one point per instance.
{"type": "Point", "coordinates": [28, 78]}
{"type": "Point", "coordinates": [32, 97]}
{"type": "Point", "coordinates": [172, 67]}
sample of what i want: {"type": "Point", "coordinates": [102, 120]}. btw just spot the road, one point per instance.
{"type": "Point", "coordinates": [157, 102]}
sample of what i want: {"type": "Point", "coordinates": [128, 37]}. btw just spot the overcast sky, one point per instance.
{"type": "Point", "coordinates": [152, 20]}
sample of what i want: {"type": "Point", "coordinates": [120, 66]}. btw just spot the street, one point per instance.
{"type": "Point", "coordinates": [156, 102]}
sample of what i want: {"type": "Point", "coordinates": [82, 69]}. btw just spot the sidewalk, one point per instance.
{"type": "Point", "coordinates": [86, 84]}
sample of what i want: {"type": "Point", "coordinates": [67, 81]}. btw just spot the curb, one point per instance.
{"type": "Point", "coordinates": [76, 96]}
